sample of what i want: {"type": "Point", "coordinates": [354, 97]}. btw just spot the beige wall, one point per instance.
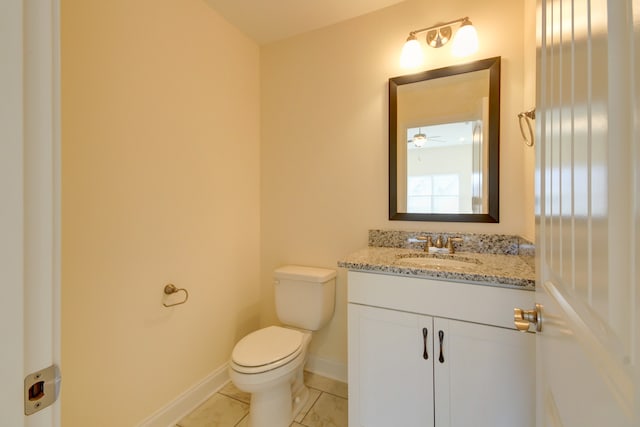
{"type": "Point", "coordinates": [160, 131]}
{"type": "Point", "coordinates": [324, 138]}
{"type": "Point", "coordinates": [529, 102]}
{"type": "Point", "coordinates": [171, 175]}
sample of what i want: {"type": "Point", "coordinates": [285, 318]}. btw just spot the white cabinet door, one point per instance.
{"type": "Point", "coordinates": [390, 375]}
{"type": "Point", "coordinates": [484, 375]}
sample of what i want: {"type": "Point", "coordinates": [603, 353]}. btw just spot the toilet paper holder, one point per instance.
{"type": "Point", "coordinates": [171, 289]}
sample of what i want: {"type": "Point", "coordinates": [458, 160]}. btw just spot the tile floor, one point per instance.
{"type": "Point", "coordinates": [326, 407]}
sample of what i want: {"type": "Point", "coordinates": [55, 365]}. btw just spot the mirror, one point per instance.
{"type": "Point", "coordinates": [444, 144]}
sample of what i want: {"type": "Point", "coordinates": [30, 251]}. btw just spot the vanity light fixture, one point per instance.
{"type": "Point", "coordinates": [465, 41]}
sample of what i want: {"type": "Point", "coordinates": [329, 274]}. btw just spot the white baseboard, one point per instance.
{"type": "Point", "coordinates": [191, 398]}
{"type": "Point", "coordinates": [327, 368]}
{"type": "Point", "coordinates": [186, 402]}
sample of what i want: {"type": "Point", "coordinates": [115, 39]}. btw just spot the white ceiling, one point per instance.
{"type": "Point", "coordinates": [266, 21]}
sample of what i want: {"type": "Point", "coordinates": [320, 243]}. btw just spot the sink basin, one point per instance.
{"type": "Point", "coordinates": [440, 261]}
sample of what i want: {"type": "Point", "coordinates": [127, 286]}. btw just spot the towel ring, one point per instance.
{"type": "Point", "coordinates": [527, 116]}
{"type": "Point", "coordinates": [172, 289]}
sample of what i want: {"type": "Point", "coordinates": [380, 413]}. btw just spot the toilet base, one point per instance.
{"type": "Point", "coordinates": [271, 409]}
{"type": "Point", "coordinates": [299, 394]}
{"type": "Point", "coordinates": [278, 406]}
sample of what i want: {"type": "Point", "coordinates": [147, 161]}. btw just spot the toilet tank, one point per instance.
{"type": "Point", "coordinates": [305, 296]}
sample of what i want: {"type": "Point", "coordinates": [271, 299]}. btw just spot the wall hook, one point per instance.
{"type": "Point", "coordinates": [172, 289]}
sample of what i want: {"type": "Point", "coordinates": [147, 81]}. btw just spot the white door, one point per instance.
{"type": "Point", "coordinates": [29, 195]}
{"type": "Point", "coordinates": [588, 212]}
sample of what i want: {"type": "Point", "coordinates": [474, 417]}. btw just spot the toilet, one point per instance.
{"type": "Point", "coordinates": [269, 362]}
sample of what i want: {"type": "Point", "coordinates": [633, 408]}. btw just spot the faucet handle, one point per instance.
{"type": "Point", "coordinates": [450, 244]}
{"type": "Point", "coordinates": [428, 242]}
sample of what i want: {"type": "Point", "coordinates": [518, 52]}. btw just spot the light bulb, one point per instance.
{"type": "Point", "coordinates": [411, 53]}
{"type": "Point", "coordinates": [465, 41]}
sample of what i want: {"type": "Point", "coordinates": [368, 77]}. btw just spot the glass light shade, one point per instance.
{"type": "Point", "coordinates": [411, 53]}
{"type": "Point", "coordinates": [465, 41]}
{"type": "Point", "coordinates": [419, 140]}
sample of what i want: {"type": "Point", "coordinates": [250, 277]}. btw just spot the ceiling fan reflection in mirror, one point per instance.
{"type": "Point", "coordinates": [419, 139]}
{"type": "Point", "coordinates": [440, 135]}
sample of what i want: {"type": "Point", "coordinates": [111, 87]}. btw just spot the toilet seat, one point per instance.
{"type": "Point", "coordinates": [267, 349]}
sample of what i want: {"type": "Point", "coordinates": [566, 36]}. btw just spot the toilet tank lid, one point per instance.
{"type": "Point", "coordinates": [308, 274]}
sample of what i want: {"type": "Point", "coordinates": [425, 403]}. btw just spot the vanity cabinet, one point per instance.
{"type": "Point", "coordinates": [419, 358]}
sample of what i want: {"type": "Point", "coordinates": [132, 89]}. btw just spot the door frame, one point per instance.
{"type": "Point", "coordinates": [30, 208]}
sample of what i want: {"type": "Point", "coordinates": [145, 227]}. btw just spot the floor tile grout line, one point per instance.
{"type": "Point", "coordinates": [241, 419]}
{"type": "Point", "coordinates": [316, 401]}
{"type": "Point", "coordinates": [310, 407]}
{"type": "Point", "coordinates": [336, 395]}
{"type": "Point", "coordinates": [328, 392]}
{"type": "Point", "coordinates": [234, 398]}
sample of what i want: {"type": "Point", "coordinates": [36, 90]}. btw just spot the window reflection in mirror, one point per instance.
{"type": "Point", "coordinates": [444, 130]}
{"type": "Point", "coordinates": [434, 182]}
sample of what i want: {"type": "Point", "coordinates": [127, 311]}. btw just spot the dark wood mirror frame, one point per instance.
{"type": "Point", "coordinates": [491, 64]}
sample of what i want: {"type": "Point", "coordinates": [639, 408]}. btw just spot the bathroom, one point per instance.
{"type": "Point", "coordinates": [193, 155]}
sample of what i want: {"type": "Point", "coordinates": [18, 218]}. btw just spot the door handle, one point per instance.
{"type": "Point", "coordinates": [441, 338]}
{"type": "Point", "coordinates": [425, 353]}
{"type": "Point", "coordinates": [524, 318]}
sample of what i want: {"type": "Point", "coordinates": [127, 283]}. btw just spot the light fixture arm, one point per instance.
{"type": "Point", "coordinates": [438, 26]}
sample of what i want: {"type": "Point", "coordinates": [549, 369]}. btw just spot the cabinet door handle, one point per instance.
{"type": "Point", "coordinates": [425, 354]}
{"type": "Point", "coordinates": [441, 337]}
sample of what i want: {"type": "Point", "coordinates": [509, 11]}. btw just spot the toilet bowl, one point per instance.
{"type": "Point", "coordinates": [269, 363]}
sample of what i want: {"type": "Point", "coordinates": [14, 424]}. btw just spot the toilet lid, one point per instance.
{"type": "Point", "coordinates": [269, 347]}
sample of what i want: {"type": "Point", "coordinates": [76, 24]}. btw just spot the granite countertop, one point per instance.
{"type": "Point", "coordinates": [514, 271]}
